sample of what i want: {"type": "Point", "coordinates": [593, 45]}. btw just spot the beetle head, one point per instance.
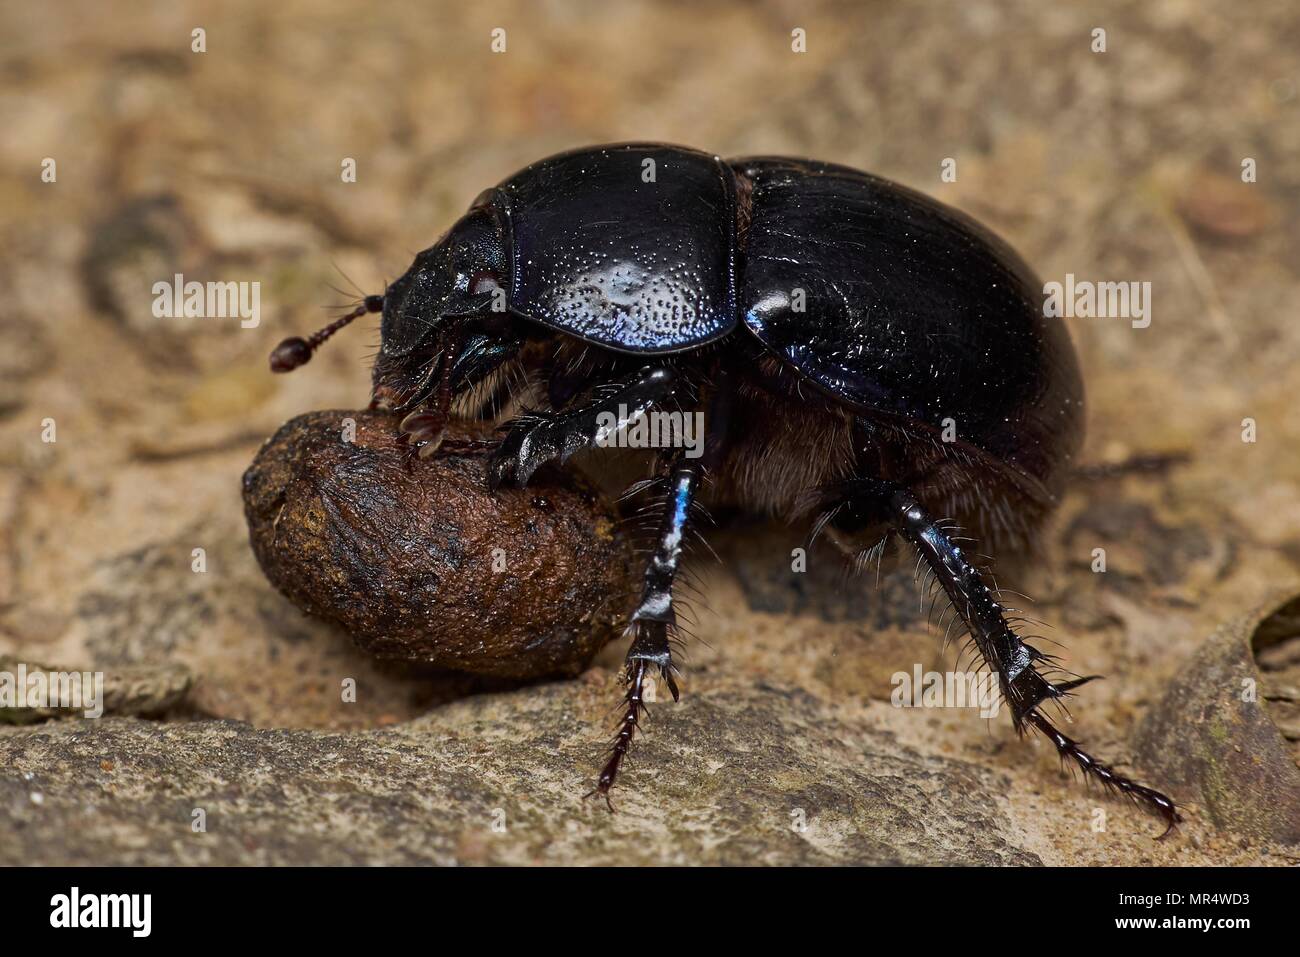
{"type": "Point", "coordinates": [446, 325]}
{"type": "Point", "coordinates": [445, 321]}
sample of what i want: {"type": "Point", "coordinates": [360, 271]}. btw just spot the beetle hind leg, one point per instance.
{"type": "Point", "coordinates": [1025, 674]}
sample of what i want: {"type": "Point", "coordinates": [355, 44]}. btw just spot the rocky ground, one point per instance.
{"type": "Point", "coordinates": [229, 741]}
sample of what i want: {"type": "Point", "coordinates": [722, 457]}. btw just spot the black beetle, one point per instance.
{"type": "Point", "coordinates": [861, 354]}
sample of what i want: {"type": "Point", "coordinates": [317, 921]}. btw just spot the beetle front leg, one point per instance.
{"type": "Point", "coordinates": [1016, 663]}
{"type": "Point", "coordinates": [538, 438]}
{"type": "Point", "coordinates": [654, 621]}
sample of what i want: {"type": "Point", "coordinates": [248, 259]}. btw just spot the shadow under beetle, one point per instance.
{"type": "Point", "coordinates": [864, 357]}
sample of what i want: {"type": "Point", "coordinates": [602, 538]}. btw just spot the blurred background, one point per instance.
{"type": "Point", "coordinates": [225, 163]}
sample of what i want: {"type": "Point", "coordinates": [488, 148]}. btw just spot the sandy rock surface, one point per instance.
{"type": "Point", "coordinates": [226, 165]}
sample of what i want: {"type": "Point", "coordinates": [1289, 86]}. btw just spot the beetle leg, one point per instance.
{"type": "Point", "coordinates": [539, 438]}
{"type": "Point", "coordinates": [1016, 663]}
{"type": "Point", "coordinates": [654, 622]}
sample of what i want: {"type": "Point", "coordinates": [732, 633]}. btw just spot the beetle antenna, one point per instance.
{"type": "Point", "coordinates": [296, 351]}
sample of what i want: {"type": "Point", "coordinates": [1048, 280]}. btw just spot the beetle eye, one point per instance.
{"type": "Point", "coordinates": [482, 283]}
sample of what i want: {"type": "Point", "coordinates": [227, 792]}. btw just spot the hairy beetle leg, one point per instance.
{"type": "Point", "coordinates": [654, 620]}
{"type": "Point", "coordinates": [1016, 663]}
{"type": "Point", "coordinates": [538, 438]}
{"type": "Point", "coordinates": [425, 428]}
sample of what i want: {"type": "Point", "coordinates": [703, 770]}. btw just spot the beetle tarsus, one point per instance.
{"type": "Point", "coordinates": [634, 707]}
{"type": "Point", "coordinates": [1149, 798]}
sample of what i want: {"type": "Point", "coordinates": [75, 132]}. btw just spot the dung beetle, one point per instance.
{"type": "Point", "coordinates": [865, 359]}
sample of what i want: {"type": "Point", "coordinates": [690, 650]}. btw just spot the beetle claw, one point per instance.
{"type": "Point", "coordinates": [425, 430]}
{"type": "Point", "coordinates": [515, 461]}
{"type": "Point", "coordinates": [498, 470]}
{"type": "Point", "coordinates": [431, 445]}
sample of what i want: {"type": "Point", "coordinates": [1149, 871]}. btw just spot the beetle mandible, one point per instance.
{"type": "Point", "coordinates": [831, 326]}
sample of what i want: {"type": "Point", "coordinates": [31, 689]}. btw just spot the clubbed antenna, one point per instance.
{"type": "Point", "coordinates": [296, 351]}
